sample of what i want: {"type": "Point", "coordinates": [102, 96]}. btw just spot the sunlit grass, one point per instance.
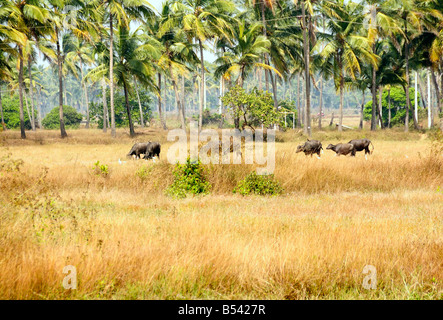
{"type": "Point", "coordinates": [128, 239]}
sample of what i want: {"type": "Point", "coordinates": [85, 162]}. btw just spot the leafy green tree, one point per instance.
{"type": "Point", "coordinates": [395, 100]}
{"type": "Point", "coordinates": [253, 108]}
{"type": "Point", "coordinates": [11, 114]}
{"type": "Point", "coordinates": [72, 118]}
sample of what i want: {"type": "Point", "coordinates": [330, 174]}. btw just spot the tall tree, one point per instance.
{"type": "Point", "coordinates": [204, 19]}
{"type": "Point", "coordinates": [123, 11]}
{"type": "Point", "coordinates": [347, 50]}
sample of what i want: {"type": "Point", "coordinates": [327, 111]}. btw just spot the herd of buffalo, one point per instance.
{"type": "Point", "coordinates": [151, 149]}
{"type": "Point", "coordinates": [314, 147]}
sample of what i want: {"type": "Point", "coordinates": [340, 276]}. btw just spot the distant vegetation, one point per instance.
{"type": "Point", "coordinates": [318, 56]}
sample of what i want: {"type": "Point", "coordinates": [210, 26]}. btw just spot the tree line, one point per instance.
{"type": "Point", "coordinates": [128, 46]}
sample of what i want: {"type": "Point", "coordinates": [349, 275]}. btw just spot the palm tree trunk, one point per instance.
{"type": "Point", "coordinates": [85, 93]}
{"type": "Point", "coordinates": [65, 95]}
{"type": "Point", "coordinates": [183, 97]}
{"type": "Point", "coordinates": [408, 107]}
{"type": "Point", "coordinates": [105, 107]}
{"type": "Point", "coordinates": [39, 108]}
{"type": "Point", "coordinates": [27, 108]}
{"type": "Point", "coordinates": [111, 75]}
{"type": "Point", "coordinates": [162, 121]}
{"type": "Point", "coordinates": [139, 105]}
{"type": "Point", "coordinates": [128, 110]}
{"type": "Point", "coordinates": [31, 94]}
{"type": "Point", "coordinates": [177, 98]}
{"type": "Point", "coordinates": [374, 73]}
{"type": "Point", "coordinates": [416, 98]}
{"type": "Point", "coordinates": [380, 107]}
{"type": "Point", "coordinates": [342, 84]}
{"type": "Point", "coordinates": [407, 85]}
{"type": "Point", "coordinates": [222, 91]}
{"type": "Point", "coordinates": [20, 82]}
{"type": "Point", "coordinates": [274, 89]}
{"type": "Point", "coordinates": [60, 88]}
{"type": "Point", "coordinates": [437, 91]}
{"type": "Point", "coordinates": [429, 101]}
{"type": "Point", "coordinates": [299, 115]}
{"type": "Point", "coordinates": [1, 110]}
{"type": "Point", "coordinates": [307, 125]}
{"type": "Point", "coordinates": [267, 72]}
{"type": "Point", "coordinates": [320, 102]}
{"type": "Point", "coordinates": [202, 81]}
{"type": "Point", "coordinates": [389, 107]}
{"type": "Point", "coordinates": [362, 107]}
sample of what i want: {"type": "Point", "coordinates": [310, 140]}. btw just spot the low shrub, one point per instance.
{"type": "Point", "coordinates": [258, 184]}
{"type": "Point", "coordinates": [100, 169]}
{"type": "Point", "coordinates": [188, 179]}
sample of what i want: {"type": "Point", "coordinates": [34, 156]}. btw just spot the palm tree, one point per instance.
{"type": "Point", "coordinates": [244, 55]}
{"type": "Point", "coordinates": [133, 62]}
{"type": "Point", "coordinates": [177, 51]}
{"type": "Point", "coordinates": [79, 56]}
{"type": "Point", "coordinates": [382, 25]}
{"type": "Point", "coordinates": [204, 19]}
{"type": "Point", "coordinates": [123, 11]}
{"type": "Point", "coordinates": [346, 50]}
{"type": "Point", "coordinates": [411, 16]}
{"type": "Point", "coordinates": [21, 17]}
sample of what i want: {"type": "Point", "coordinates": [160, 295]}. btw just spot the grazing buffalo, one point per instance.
{"type": "Point", "coordinates": [360, 145]}
{"type": "Point", "coordinates": [152, 150]}
{"type": "Point", "coordinates": [138, 149]}
{"type": "Point", "coordinates": [341, 148]}
{"type": "Point", "coordinates": [310, 147]}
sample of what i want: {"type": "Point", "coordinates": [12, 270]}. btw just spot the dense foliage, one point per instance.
{"type": "Point", "coordinates": [335, 51]}
{"type": "Point", "coordinates": [11, 112]}
{"type": "Point", "coordinates": [397, 99]}
{"type": "Point", "coordinates": [71, 117]}
{"type": "Point", "coordinates": [253, 108]}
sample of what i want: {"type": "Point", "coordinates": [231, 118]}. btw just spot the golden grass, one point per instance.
{"type": "Point", "coordinates": [128, 240]}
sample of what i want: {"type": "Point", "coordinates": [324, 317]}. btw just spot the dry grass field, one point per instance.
{"type": "Point", "coordinates": [128, 240]}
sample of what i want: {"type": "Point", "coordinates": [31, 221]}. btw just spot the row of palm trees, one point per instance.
{"type": "Point", "coordinates": [361, 46]}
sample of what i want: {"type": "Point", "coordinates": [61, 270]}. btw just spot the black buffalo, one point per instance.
{"type": "Point", "coordinates": [310, 147]}
{"type": "Point", "coordinates": [149, 149]}
{"type": "Point", "coordinates": [137, 149]}
{"type": "Point", "coordinates": [360, 145]}
{"type": "Point", "coordinates": [152, 150]}
{"type": "Point", "coordinates": [341, 148]}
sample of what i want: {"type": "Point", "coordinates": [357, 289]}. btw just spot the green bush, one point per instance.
{"type": "Point", "coordinates": [188, 179]}
{"type": "Point", "coordinates": [258, 184]}
{"type": "Point", "coordinates": [11, 112]}
{"type": "Point", "coordinates": [398, 106]}
{"type": "Point", "coordinates": [71, 117]}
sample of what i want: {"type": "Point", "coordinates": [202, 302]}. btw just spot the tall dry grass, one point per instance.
{"type": "Point", "coordinates": [128, 240]}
